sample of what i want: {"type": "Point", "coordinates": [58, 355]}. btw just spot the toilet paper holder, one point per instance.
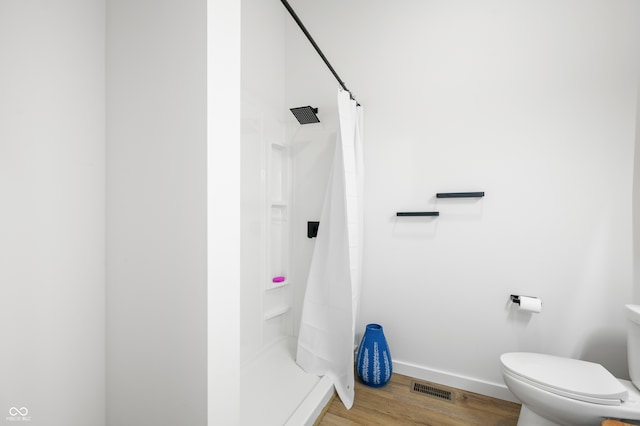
{"type": "Point", "coordinates": [515, 298]}
{"type": "Point", "coordinates": [527, 303]}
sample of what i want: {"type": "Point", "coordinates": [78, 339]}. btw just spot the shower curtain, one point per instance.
{"type": "Point", "coordinates": [327, 328]}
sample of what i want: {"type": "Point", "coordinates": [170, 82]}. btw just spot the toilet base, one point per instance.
{"type": "Point", "coordinates": [529, 418]}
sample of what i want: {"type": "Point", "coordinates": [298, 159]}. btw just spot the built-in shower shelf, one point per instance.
{"type": "Point", "coordinates": [271, 285]}
{"type": "Point", "coordinates": [276, 312]}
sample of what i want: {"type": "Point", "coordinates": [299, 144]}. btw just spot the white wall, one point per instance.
{"type": "Point", "coordinates": [52, 167]}
{"type": "Point", "coordinates": [156, 212]}
{"type": "Point", "coordinates": [535, 104]}
{"type": "Point", "coordinates": [223, 211]}
{"type": "Point", "coordinates": [636, 203]}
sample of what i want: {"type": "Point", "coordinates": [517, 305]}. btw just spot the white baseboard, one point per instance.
{"type": "Point", "coordinates": [494, 390]}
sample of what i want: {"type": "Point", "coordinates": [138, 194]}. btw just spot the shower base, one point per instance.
{"type": "Point", "coordinates": [275, 391]}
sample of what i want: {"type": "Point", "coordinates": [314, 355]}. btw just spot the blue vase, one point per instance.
{"type": "Point", "coordinates": [373, 362]}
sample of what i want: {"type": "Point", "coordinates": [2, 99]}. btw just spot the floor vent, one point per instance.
{"type": "Point", "coordinates": [431, 391]}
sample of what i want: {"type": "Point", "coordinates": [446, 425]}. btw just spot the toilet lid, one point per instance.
{"type": "Point", "coordinates": [573, 378]}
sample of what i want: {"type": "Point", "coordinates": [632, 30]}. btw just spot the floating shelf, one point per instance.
{"type": "Point", "coordinates": [418, 214]}
{"type": "Point", "coordinates": [460, 194]}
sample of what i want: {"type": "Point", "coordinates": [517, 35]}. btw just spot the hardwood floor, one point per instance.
{"type": "Point", "coordinates": [396, 404]}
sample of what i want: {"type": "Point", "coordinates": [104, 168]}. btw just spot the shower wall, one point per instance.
{"type": "Point", "coordinates": [312, 151]}
{"type": "Point", "coordinates": [266, 307]}
{"type": "Point", "coordinates": [535, 104]}
{"type": "Point", "coordinates": [285, 167]}
{"type": "Point", "coordinates": [309, 82]}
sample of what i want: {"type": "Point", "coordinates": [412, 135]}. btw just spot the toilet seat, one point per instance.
{"type": "Point", "coordinates": [571, 378]}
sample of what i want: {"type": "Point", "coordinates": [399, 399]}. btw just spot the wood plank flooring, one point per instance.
{"type": "Point", "coordinates": [395, 404]}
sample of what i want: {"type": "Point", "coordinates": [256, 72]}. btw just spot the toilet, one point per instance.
{"type": "Point", "coordinates": [563, 391]}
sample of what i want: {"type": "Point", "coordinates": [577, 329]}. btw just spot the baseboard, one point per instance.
{"type": "Point", "coordinates": [494, 390]}
{"type": "Point", "coordinates": [312, 406]}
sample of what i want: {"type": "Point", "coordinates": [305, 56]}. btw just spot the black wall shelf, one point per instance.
{"type": "Point", "coordinates": [418, 214]}
{"type": "Point", "coordinates": [443, 195]}
{"type": "Point", "coordinates": [460, 194]}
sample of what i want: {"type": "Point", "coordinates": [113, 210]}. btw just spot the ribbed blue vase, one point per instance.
{"type": "Point", "coordinates": [373, 361]}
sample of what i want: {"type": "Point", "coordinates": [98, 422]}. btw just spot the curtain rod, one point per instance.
{"type": "Point", "coordinates": [315, 46]}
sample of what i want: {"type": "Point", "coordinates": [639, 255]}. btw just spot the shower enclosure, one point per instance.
{"type": "Point", "coordinates": [284, 168]}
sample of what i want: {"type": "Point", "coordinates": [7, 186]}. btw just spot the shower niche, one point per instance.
{"type": "Point", "coordinates": [279, 194]}
{"type": "Point", "coordinates": [277, 298]}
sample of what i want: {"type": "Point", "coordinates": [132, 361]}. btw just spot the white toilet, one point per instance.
{"type": "Point", "coordinates": [563, 391]}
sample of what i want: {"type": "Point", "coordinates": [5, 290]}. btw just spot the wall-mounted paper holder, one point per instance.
{"type": "Point", "coordinates": [527, 303]}
{"type": "Point", "coordinates": [515, 298]}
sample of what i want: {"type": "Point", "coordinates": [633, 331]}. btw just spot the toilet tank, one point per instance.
{"type": "Point", "coordinates": [633, 343]}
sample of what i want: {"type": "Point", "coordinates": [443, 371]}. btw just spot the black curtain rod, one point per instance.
{"type": "Point", "coordinates": [315, 46]}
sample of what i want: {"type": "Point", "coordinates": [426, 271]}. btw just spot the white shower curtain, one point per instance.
{"type": "Point", "coordinates": [327, 329]}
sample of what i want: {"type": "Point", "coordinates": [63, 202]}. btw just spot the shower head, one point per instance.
{"type": "Point", "coordinates": [306, 115]}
